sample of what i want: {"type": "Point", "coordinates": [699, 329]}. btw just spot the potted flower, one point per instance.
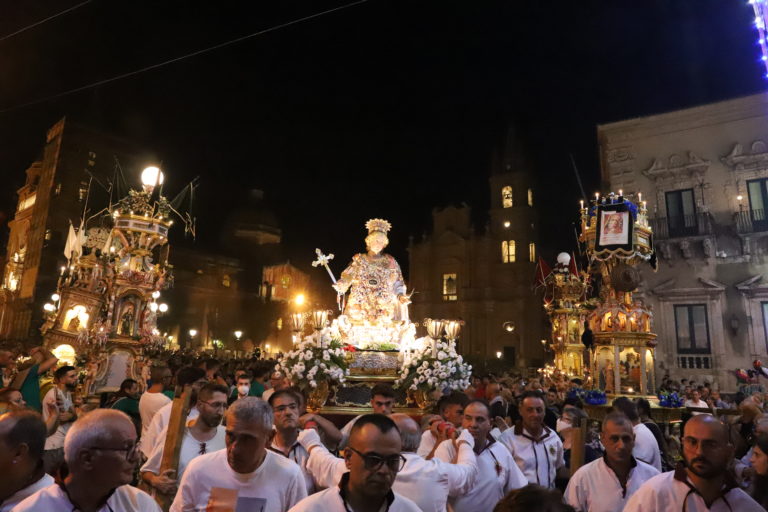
{"type": "Point", "coordinates": [316, 362]}
{"type": "Point", "coordinates": [434, 367]}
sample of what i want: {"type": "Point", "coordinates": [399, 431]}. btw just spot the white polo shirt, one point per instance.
{"type": "Point", "coordinates": [155, 433]}
{"type": "Point", "coordinates": [428, 441]}
{"type": "Point", "coordinates": [22, 494]}
{"type": "Point", "coordinates": [596, 488]}
{"type": "Point", "coordinates": [299, 455]}
{"type": "Point", "coordinates": [497, 474]}
{"type": "Point", "coordinates": [538, 459]}
{"type": "Point", "coordinates": [123, 499]}
{"type": "Point", "coordinates": [333, 500]}
{"type": "Point", "coordinates": [673, 491]}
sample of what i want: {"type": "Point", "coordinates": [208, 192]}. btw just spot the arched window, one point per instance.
{"type": "Point", "coordinates": [508, 251]}
{"type": "Point", "coordinates": [530, 197]}
{"type": "Point", "coordinates": [506, 197]}
{"type": "Point", "coordinates": [532, 252]}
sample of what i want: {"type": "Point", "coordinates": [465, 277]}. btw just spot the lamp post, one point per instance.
{"type": "Point", "coordinates": [238, 334]}
{"type": "Point", "coordinates": [192, 334]}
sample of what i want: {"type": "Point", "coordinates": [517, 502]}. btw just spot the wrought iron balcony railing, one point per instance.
{"type": "Point", "coordinates": [751, 221]}
{"type": "Point", "coordinates": [697, 224]}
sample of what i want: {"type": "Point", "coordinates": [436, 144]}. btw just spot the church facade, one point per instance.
{"type": "Point", "coordinates": [484, 276]}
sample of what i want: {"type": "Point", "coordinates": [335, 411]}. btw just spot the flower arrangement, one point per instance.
{"type": "Point", "coordinates": [595, 397]}
{"type": "Point", "coordinates": [576, 393]}
{"type": "Point", "coordinates": [667, 399]}
{"type": "Point", "coordinates": [433, 367]}
{"type": "Point", "coordinates": [319, 357]}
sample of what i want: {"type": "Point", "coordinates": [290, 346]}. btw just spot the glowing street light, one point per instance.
{"type": "Point", "coordinates": [238, 334]}
{"type": "Point", "coordinates": [192, 333]}
{"type": "Point", "coordinates": [498, 355]}
{"type": "Point", "coordinates": [163, 307]}
{"type": "Point", "coordinates": [299, 299]}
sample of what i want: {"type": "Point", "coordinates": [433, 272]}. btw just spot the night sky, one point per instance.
{"type": "Point", "coordinates": [382, 109]}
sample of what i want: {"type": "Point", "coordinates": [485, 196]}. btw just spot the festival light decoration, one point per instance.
{"type": "Point", "coordinates": [761, 21]}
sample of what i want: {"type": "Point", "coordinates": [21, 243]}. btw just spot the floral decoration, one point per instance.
{"type": "Point", "coordinates": [434, 367]}
{"type": "Point", "coordinates": [319, 357]}
{"type": "Point", "coordinates": [595, 397]}
{"type": "Point", "coordinates": [667, 399]}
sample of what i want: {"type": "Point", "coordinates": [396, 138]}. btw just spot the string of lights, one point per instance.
{"type": "Point", "coordinates": [49, 18]}
{"type": "Point", "coordinates": [182, 57]}
{"type": "Point", "coordinates": [761, 20]}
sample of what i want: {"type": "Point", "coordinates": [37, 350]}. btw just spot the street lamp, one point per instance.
{"type": "Point", "coordinates": [192, 333]}
{"type": "Point", "coordinates": [163, 307]}
{"type": "Point", "coordinates": [238, 334]}
{"type": "Point", "coordinates": [299, 299]}
{"type": "Point", "coordinates": [498, 354]}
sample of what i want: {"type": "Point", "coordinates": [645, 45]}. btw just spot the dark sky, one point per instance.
{"type": "Point", "coordinates": [384, 109]}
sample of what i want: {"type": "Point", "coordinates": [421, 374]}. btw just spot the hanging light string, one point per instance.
{"type": "Point", "coordinates": [49, 18]}
{"type": "Point", "coordinates": [761, 20]}
{"type": "Point", "coordinates": [182, 57]}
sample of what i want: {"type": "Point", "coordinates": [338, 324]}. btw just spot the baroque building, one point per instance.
{"type": "Point", "coordinates": [704, 174]}
{"type": "Point", "coordinates": [484, 276]}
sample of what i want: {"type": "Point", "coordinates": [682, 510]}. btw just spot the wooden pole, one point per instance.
{"type": "Point", "coordinates": [172, 447]}
{"type": "Point", "coordinates": [578, 441]}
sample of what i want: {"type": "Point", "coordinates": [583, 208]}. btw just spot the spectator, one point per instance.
{"type": "Point", "coordinates": [759, 461]}
{"type": "Point", "coordinates": [28, 379]}
{"type": "Point", "coordinates": [65, 383]}
{"type": "Point", "coordinates": [127, 400]}
{"type": "Point", "coordinates": [696, 401]}
{"type": "Point", "coordinates": [154, 398]}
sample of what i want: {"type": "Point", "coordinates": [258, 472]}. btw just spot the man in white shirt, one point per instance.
{"type": "Point", "coordinates": [155, 434]}
{"type": "Point", "coordinates": [451, 410]}
{"type": "Point", "coordinates": [101, 454]}
{"type": "Point", "coordinates": [153, 399]}
{"type": "Point", "coordinates": [426, 483]}
{"type": "Point", "coordinates": [245, 476]}
{"type": "Point", "coordinates": [382, 402]}
{"type": "Point", "coordinates": [373, 458]}
{"type": "Point", "coordinates": [703, 483]}
{"type": "Point", "coordinates": [65, 382]}
{"type": "Point", "coordinates": [497, 472]}
{"type": "Point", "coordinates": [696, 401]}
{"type": "Point", "coordinates": [605, 484]}
{"type": "Point", "coordinates": [646, 447]}
{"type": "Point", "coordinates": [22, 438]}
{"type": "Point", "coordinates": [203, 434]}
{"type": "Point", "coordinates": [536, 448]}
{"type": "Point", "coordinates": [277, 382]}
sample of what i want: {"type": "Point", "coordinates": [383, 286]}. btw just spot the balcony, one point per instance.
{"type": "Point", "coordinates": [697, 224]}
{"type": "Point", "coordinates": [751, 221]}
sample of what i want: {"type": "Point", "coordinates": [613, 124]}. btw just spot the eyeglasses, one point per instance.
{"type": "Point", "coordinates": [130, 451]}
{"type": "Point", "coordinates": [706, 444]}
{"type": "Point", "coordinates": [215, 405]}
{"type": "Point", "coordinates": [373, 462]}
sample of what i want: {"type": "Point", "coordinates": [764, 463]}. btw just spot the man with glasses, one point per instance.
{"type": "Point", "coordinates": [101, 453]}
{"type": "Point", "coordinates": [203, 434]}
{"type": "Point", "coordinates": [704, 482]}
{"type": "Point", "coordinates": [245, 476]}
{"type": "Point", "coordinates": [285, 408]}
{"type": "Point", "coordinates": [373, 460]}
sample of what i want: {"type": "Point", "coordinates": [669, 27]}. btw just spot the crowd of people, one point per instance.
{"type": "Point", "coordinates": [505, 444]}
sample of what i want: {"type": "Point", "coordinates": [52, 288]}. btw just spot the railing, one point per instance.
{"type": "Point", "coordinates": [751, 221]}
{"type": "Point", "coordinates": [694, 362]}
{"type": "Point", "coordinates": [681, 226]}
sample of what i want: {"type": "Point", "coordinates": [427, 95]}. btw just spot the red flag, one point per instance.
{"type": "Point", "coordinates": [542, 271]}
{"type": "Point", "coordinates": [572, 267]}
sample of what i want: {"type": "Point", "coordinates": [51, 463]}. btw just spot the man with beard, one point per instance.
{"type": "Point", "coordinates": [703, 482]}
{"type": "Point", "coordinates": [497, 473]}
{"type": "Point", "coordinates": [536, 448]}
{"type": "Point", "coordinates": [373, 459]}
{"type": "Point", "coordinates": [101, 454]}
{"type": "Point", "coordinates": [245, 476]}
{"type": "Point", "coordinates": [605, 484]}
{"type": "Point", "coordinates": [65, 382]}
{"type": "Point", "coordinates": [203, 434]}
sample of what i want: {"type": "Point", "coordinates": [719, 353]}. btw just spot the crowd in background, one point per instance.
{"type": "Point", "coordinates": [505, 443]}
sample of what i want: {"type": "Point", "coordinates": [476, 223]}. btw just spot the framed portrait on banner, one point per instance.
{"type": "Point", "coordinates": [614, 227]}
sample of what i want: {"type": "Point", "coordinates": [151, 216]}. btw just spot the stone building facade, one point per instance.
{"type": "Point", "coordinates": [484, 276]}
{"type": "Point", "coordinates": [704, 173]}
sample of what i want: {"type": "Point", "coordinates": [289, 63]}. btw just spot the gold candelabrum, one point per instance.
{"type": "Point", "coordinates": [618, 238]}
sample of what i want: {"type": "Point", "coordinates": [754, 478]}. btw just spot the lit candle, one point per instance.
{"type": "Point", "coordinates": [581, 202]}
{"type": "Point", "coordinates": [620, 192]}
{"type": "Point", "coordinates": [640, 196]}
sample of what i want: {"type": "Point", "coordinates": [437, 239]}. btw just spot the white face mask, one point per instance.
{"type": "Point", "coordinates": [243, 389]}
{"type": "Point", "coordinates": [562, 425]}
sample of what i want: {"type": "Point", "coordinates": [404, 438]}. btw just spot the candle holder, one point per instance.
{"type": "Point", "coordinates": [453, 328]}
{"type": "Point", "coordinates": [319, 319]}
{"type": "Point", "coordinates": [297, 322]}
{"type": "Point", "coordinates": [434, 327]}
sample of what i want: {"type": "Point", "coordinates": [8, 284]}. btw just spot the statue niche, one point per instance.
{"type": "Point", "coordinates": [126, 318]}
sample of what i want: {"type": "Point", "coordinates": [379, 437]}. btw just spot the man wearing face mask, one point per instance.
{"type": "Point", "coordinates": [203, 435]}
{"type": "Point", "coordinates": [242, 387]}
{"type": "Point", "coordinates": [65, 382]}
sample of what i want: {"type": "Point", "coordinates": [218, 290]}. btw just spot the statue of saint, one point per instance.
{"type": "Point", "coordinates": [126, 322]}
{"type": "Point", "coordinates": [377, 293]}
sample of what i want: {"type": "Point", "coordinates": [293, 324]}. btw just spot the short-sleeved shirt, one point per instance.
{"type": "Point", "coordinates": [30, 389]}
{"type": "Point", "coordinates": [128, 405]}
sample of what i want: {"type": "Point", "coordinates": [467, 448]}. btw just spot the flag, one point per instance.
{"type": "Point", "coordinates": [69, 245]}
{"type": "Point", "coordinates": [572, 267]}
{"type": "Point", "coordinates": [542, 271]}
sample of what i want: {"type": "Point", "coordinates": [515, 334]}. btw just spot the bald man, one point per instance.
{"type": "Point", "coordinates": [703, 482]}
{"type": "Point", "coordinates": [101, 453]}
